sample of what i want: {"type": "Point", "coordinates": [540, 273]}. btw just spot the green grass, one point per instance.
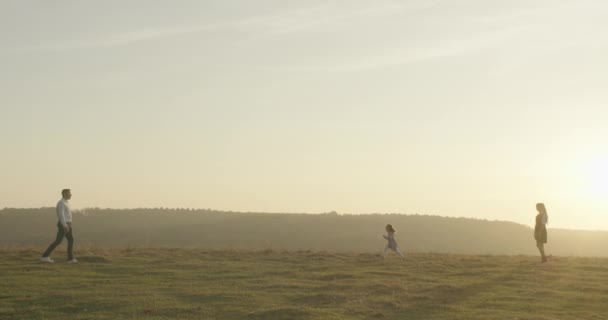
{"type": "Point", "coordinates": [201, 284]}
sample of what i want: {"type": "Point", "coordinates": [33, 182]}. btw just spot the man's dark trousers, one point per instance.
{"type": "Point", "coordinates": [60, 234]}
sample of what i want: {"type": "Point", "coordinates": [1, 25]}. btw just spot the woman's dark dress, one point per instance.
{"type": "Point", "coordinates": [540, 230]}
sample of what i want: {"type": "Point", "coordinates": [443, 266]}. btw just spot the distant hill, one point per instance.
{"type": "Point", "coordinates": [320, 232]}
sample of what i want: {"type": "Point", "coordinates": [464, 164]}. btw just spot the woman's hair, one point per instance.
{"type": "Point", "coordinates": [389, 228]}
{"type": "Point", "coordinates": [540, 207]}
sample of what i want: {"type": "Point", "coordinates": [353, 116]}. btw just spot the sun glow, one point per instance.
{"type": "Point", "coordinates": [597, 177]}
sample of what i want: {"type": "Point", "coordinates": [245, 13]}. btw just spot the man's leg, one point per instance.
{"type": "Point", "coordinates": [70, 238]}
{"type": "Point", "coordinates": [55, 243]}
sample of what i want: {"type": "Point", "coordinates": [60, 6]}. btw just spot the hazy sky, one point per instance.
{"type": "Point", "coordinates": [456, 108]}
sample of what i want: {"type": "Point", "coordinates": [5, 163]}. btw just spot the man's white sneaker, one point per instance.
{"type": "Point", "coordinates": [47, 260]}
{"type": "Point", "coordinates": [73, 260]}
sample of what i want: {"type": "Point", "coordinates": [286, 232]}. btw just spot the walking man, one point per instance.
{"type": "Point", "coordinates": [64, 228]}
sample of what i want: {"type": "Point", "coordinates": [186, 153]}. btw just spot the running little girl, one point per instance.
{"type": "Point", "coordinates": [392, 244]}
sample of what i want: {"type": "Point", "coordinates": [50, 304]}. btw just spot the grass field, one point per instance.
{"type": "Point", "coordinates": [200, 284]}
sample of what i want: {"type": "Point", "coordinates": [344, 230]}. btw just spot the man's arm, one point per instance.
{"type": "Point", "coordinates": [61, 214]}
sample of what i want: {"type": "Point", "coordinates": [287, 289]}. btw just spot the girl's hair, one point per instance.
{"type": "Point", "coordinates": [389, 228]}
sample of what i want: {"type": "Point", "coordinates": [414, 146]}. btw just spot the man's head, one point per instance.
{"type": "Point", "coordinates": [66, 194]}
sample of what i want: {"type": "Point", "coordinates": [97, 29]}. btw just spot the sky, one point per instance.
{"type": "Point", "coordinates": [454, 108]}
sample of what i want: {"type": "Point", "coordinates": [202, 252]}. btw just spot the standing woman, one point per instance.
{"type": "Point", "coordinates": [540, 230]}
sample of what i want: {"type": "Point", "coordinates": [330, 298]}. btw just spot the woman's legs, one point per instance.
{"type": "Point", "coordinates": [541, 249]}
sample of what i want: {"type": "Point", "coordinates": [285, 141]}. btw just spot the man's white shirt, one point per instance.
{"type": "Point", "coordinates": [64, 213]}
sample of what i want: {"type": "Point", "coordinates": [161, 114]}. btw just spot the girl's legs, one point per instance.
{"type": "Point", "coordinates": [387, 248]}
{"type": "Point", "coordinates": [385, 251]}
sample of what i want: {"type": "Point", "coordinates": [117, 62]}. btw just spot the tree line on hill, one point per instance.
{"type": "Point", "coordinates": [320, 232]}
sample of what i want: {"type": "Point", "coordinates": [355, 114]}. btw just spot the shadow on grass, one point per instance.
{"type": "Point", "coordinates": [282, 314]}
{"type": "Point", "coordinates": [93, 259]}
